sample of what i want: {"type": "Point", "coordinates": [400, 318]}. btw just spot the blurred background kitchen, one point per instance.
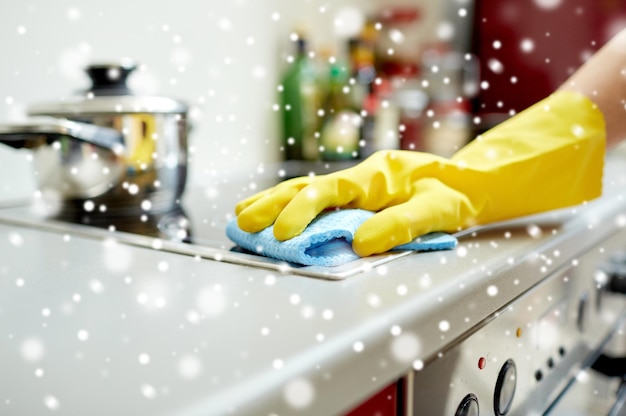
{"type": "Point", "coordinates": [316, 84]}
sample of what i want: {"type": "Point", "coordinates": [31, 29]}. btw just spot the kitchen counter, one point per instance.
{"type": "Point", "coordinates": [93, 324]}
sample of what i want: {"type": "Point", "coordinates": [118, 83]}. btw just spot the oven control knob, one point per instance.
{"type": "Point", "coordinates": [468, 406]}
{"type": "Point", "coordinates": [505, 388]}
{"type": "Point", "coordinates": [612, 275]}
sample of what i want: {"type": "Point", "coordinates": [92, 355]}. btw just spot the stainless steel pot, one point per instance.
{"type": "Point", "coordinates": [107, 151]}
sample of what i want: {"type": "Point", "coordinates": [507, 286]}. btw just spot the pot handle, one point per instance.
{"type": "Point", "coordinates": [37, 131]}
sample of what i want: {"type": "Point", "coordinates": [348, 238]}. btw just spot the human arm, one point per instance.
{"type": "Point", "coordinates": [602, 78]}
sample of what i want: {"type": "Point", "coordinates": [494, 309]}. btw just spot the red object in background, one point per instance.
{"type": "Point", "coordinates": [527, 48]}
{"type": "Point", "coordinates": [383, 403]}
{"type": "Point", "coordinates": [404, 60]}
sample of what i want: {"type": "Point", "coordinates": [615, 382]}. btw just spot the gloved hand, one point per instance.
{"type": "Point", "coordinates": [549, 156]}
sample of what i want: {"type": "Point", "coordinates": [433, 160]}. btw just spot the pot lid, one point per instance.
{"type": "Point", "coordinates": [109, 94]}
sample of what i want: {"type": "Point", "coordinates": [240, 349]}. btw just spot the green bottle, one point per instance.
{"type": "Point", "coordinates": [340, 132]}
{"type": "Point", "coordinates": [300, 102]}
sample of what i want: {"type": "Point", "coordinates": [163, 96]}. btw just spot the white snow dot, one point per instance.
{"type": "Point", "coordinates": [348, 22]}
{"type": "Point", "coordinates": [21, 30]}
{"type": "Point", "coordinates": [495, 65]}
{"type": "Point", "coordinates": [444, 326]}
{"type": "Point", "coordinates": [160, 302]}
{"type": "Point", "coordinates": [96, 286]}
{"type": "Point", "coordinates": [142, 298]}
{"type": "Point", "coordinates": [311, 193]}
{"type": "Point", "coordinates": [527, 45]}
{"type": "Point", "coordinates": [148, 391]}
{"type": "Point", "coordinates": [578, 130]}
{"type": "Point", "coordinates": [211, 301]}
{"type": "Point", "coordinates": [548, 4]}
{"type": "Point", "coordinates": [294, 299]}
{"type": "Point", "coordinates": [32, 349]}
{"type": "Point", "coordinates": [51, 402]}
{"type": "Point", "coordinates": [445, 31]}
{"type": "Point", "coordinates": [16, 239]}
{"type": "Point", "coordinates": [277, 364]}
{"type": "Point", "coordinates": [418, 365]}
{"type": "Point", "coordinates": [308, 311]}
{"type": "Point", "coordinates": [192, 316]}
{"type": "Point", "coordinates": [534, 231]}
{"type": "Point", "coordinates": [73, 13]}
{"type": "Point", "coordinates": [497, 44]}
{"type": "Point", "coordinates": [116, 257]}
{"type": "Point", "coordinates": [163, 266]}
{"type": "Point", "coordinates": [83, 335]}
{"type": "Point", "coordinates": [492, 290]}
{"type": "Point", "coordinates": [402, 290]}
{"type": "Point", "coordinates": [89, 206]}
{"type": "Point", "coordinates": [19, 282]}
{"type": "Point", "coordinates": [275, 16]}
{"type": "Point", "coordinates": [582, 377]}
{"type": "Point", "coordinates": [405, 347]}
{"type": "Point", "coordinates": [144, 359]}
{"type": "Point", "coordinates": [374, 300]}
{"type": "Point", "coordinates": [358, 346]}
{"type": "Point", "coordinates": [327, 314]}
{"type": "Point", "coordinates": [39, 372]}
{"type": "Point", "coordinates": [299, 393]}
{"type": "Point", "coordinates": [258, 72]}
{"type": "Point", "coordinates": [224, 24]}
{"type": "Point", "coordinates": [189, 367]}
{"type": "Point", "coordinates": [270, 280]}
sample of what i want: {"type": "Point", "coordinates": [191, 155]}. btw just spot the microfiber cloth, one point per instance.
{"type": "Point", "coordinates": [327, 241]}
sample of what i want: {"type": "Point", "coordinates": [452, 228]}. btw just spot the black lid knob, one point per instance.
{"type": "Point", "coordinates": [110, 78]}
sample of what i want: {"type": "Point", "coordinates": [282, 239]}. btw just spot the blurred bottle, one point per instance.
{"type": "Point", "coordinates": [412, 102]}
{"type": "Point", "coordinates": [368, 115]}
{"type": "Point", "coordinates": [447, 126]}
{"type": "Point", "coordinates": [386, 120]}
{"type": "Point", "coordinates": [301, 99]}
{"type": "Point", "coordinates": [362, 57]}
{"type": "Point", "coordinates": [452, 81]}
{"type": "Point", "coordinates": [340, 132]}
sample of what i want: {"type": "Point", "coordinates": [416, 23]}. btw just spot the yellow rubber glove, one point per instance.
{"type": "Point", "coordinates": [549, 156]}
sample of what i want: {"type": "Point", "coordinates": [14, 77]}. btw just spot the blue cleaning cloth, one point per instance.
{"type": "Point", "coordinates": [327, 241]}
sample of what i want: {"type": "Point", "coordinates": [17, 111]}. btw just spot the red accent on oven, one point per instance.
{"type": "Point", "coordinates": [383, 403]}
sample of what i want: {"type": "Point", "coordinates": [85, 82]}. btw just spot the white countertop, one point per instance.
{"type": "Point", "coordinates": [91, 326]}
